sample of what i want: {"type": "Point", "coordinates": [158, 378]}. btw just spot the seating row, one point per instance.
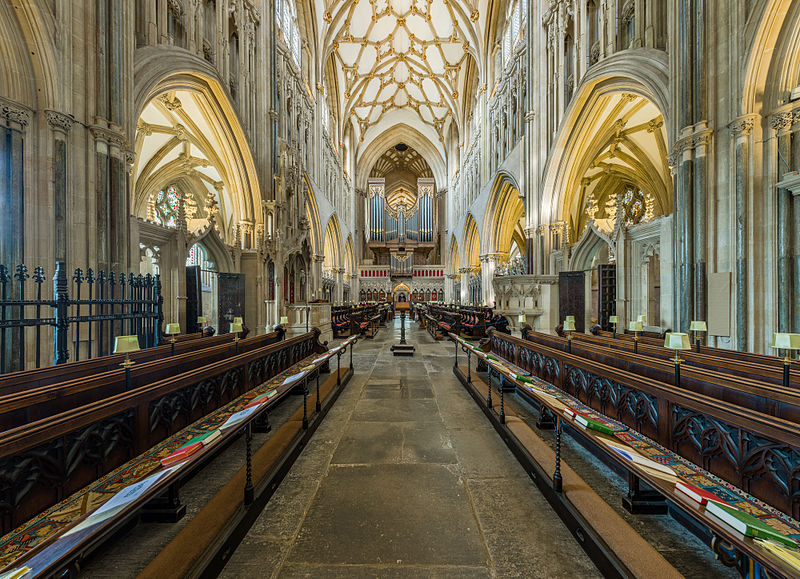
{"type": "Point", "coordinates": [93, 515]}
{"type": "Point", "coordinates": [619, 441]}
{"type": "Point", "coordinates": [47, 460]}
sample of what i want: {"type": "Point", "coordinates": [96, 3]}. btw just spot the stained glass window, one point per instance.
{"type": "Point", "coordinates": [634, 204]}
{"type": "Point", "coordinates": [166, 207]}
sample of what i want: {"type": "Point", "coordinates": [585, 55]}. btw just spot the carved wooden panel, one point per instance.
{"type": "Point", "coordinates": [231, 299]}
{"type": "Point", "coordinates": [572, 297]}
{"type": "Point", "coordinates": [194, 298]}
{"type": "Point", "coordinates": [607, 298]}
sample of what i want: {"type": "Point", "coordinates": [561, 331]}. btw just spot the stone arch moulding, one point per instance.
{"type": "Point", "coordinates": [413, 138]}
{"type": "Point", "coordinates": [160, 69]}
{"type": "Point", "coordinates": [312, 213]}
{"type": "Point", "coordinates": [28, 72]}
{"type": "Point", "coordinates": [503, 210]}
{"type": "Point", "coordinates": [216, 248]}
{"type": "Point", "coordinates": [586, 248]}
{"type": "Point", "coordinates": [333, 235]}
{"type": "Point", "coordinates": [643, 72]}
{"type": "Point", "coordinates": [774, 56]}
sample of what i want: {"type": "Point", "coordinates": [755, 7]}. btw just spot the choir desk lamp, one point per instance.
{"type": "Point", "coordinates": [697, 326]}
{"type": "Point", "coordinates": [235, 329]}
{"type": "Point", "coordinates": [614, 320]}
{"type": "Point", "coordinates": [786, 342]}
{"type": "Point", "coordinates": [677, 341]}
{"type": "Point", "coordinates": [200, 321]}
{"type": "Point", "coordinates": [126, 345]}
{"type": "Point", "coordinates": [172, 330]}
{"type": "Point", "coordinates": [635, 327]}
{"type": "Point", "coordinates": [569, 327]}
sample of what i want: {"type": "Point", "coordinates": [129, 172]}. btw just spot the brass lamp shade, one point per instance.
{"type": "Point", "coordinates": [677, 341]}
{"type": "Point", "coordinates": [284, 320]}
{"type": "Point", "coordinates": [125, 344]}
{"type": "Point", "coordinates": [569, 325]}
{"type": "Point", "coordinates": [173, 329]}
{"type": "Point", "coordinates": [237, 321]}
{"type": "Point", "coordinates": [613, 319]}
{"type": "Point", "coordinates": [521, 318]}
{"type": "Point", "coordinates": [784, 341]}
{"type": "Point", "coordinates": [698, 326]}
{"type": "Point", "coordinates": [643, 319]}
{"type": "Point", "coordinates": [570, 319]}
{"type": "Point", "coordinates": [635, 327]}
{"type": "Point", "coordinates": [236, 328]}
{"type": "Point", "coordinates": [201, 319]}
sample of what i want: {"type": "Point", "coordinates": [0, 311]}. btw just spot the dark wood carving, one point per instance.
{"type": "Point", "coordinates": [231, 299]}
{"type": "Point", "coordinates": [752, 450]}
{"type": "Point", "coordinates": [607, 298]}
{"type": "Point", "coordinates": [572, 297]}
{"type": "Point", "coordinates": [194, 297]}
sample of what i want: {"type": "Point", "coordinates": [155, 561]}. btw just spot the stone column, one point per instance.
{"type": "Point", "coordinates": [700, 210]}
{"type": "Point", "coordinates": [339, 295]}
{"type": "Point", "coordinates": [741, 130]}
{"type": "Point", "coordinates": [465, 271]}
{"type": "Point", "coordinates": [782, 125]}
{"type": "Point", "coordinates": [14, 120]}
{"type": "Point", "coordinates": [60, 124]}
{"type": "Point", "coordinates": [316, 278]}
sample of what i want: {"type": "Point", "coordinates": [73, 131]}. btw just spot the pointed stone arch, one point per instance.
{"type": "Point", "coordinates": [587, 132]}
{"type": "Point", "coordinates": [504, 211]}
{"type": "Point", "coordinates": [312, 214]}
{"type": "Point", "coordinates": [333, 244]}
{"type": "Point", "coordinates": [471, 245]}
{"type": "Point", "coordinates": [206, 127]}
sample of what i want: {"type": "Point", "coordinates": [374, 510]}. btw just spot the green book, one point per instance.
{"type": "Point", "coordinates": [492, 357]}
{"type": "Point", "coordinates": [594, 424]}
{"type": "Point", "coordinates": [747, 524]}
{"type": "Point", "coordinates": [525, 379]}
{"type": "Point", "coordinates": [206, 438]}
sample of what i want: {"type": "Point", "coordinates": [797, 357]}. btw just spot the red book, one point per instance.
{"type": "Point", "coordinates": [697, 494]}
{"type": "Point", "coordinates": [181, 454]}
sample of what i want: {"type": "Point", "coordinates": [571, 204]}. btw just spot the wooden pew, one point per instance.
{"type": "Point", "coordinates": [751, 450]}
{"type": "Point", "coordinates": [540, 461]}
{"type": "Point", "coordinates": [39, 403]}
{"type": "Point", "coordinates": [744, 357]}
{"type": "Point", "coordinates": [18, 381]}
{"type": "Point", "coordinates": [773, 400]}
{"type": "Point", "coordinates": [47, 460]}
{"type": "Point", "coordinates": [757, 370]}
{"type": "Point", "coordinates": [66, 544]}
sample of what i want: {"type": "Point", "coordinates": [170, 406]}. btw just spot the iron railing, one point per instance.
{"type": "Point", "coordinates": [82, 325]}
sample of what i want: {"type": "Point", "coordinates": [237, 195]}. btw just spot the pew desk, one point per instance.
{"type": "Point", "coordinates": [66, 544]}
{"type": "Point", "coordinates": [770, 399]}
{"type": "Point", "coordinates": [657, 476]}
{"type": "Point", "coordinates": [81, 444]}
{"type": "Point", "coordinates": [747, 368]}
{"type": "Point", "coordinates": [38, 403]}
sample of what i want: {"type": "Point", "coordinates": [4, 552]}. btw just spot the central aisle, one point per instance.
{"type": "Point", "coordinates": [405, 477]}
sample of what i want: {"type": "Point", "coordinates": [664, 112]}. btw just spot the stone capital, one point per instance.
{"type": "Point", "coordinates": [743, 126]}
{"type": "Point", "coordinates": [59, 122]}
{"type": "Point", "coordinates": [14, 114]}
{"type": "Point", "coordinates": [782, 122]}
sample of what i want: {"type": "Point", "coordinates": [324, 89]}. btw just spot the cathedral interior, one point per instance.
{"type": "Point", "coordinates": [217, 216]}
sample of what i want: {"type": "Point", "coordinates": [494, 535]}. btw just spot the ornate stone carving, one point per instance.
{"type": "Point", "coordinates": [781, 121]}
{"type": "Point", "coordinates": [59, 121]}
{"type": "Point", "coordinates": [15, 114]}
{"type": "Point", "coordinates": [742, 126]}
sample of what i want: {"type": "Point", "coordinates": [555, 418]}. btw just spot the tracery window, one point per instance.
{"type": "Point", "coordinates": [634, 205]}
{"type": "Point", "coordinates": [166, 207]}
{"type": "Point", "coordinates": [286, 17]}
{"type": "Point", "coordinates": [513, 28]}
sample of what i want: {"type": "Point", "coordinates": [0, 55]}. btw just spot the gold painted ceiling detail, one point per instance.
{"type": "Point", "coordinates": [401, 54]}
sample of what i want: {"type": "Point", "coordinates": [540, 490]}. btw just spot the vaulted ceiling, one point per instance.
{"type": "Point", "coordinates": [400, 62]}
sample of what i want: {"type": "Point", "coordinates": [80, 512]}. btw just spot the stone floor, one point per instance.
{"type": "Point", "coordinates": [406, 478]}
